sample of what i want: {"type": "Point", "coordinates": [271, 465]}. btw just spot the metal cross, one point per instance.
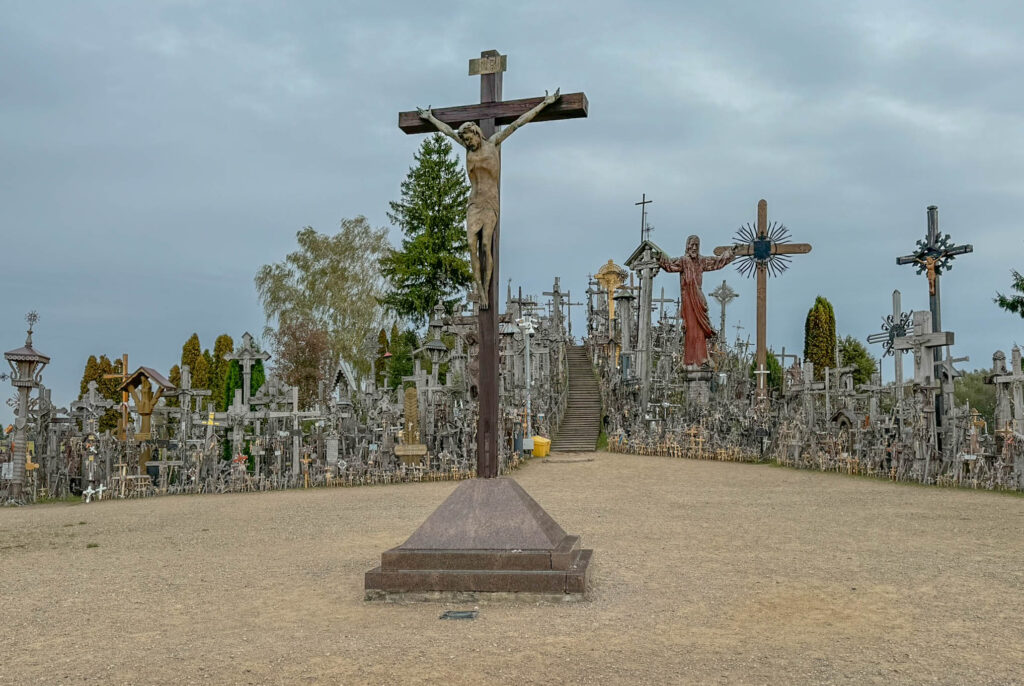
{"type": "Point", "coordinates": [644, 202]}
{"type": "Point", "coordinates": [933, 256]}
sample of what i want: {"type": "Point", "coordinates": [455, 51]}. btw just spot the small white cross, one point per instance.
{"type": "Point", "coordinates": [87, 493]}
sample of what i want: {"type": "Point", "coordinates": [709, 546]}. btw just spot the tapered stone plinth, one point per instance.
{"type": "Point", "coordinates": [488, 537]}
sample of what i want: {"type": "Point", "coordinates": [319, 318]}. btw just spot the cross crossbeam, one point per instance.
{"type": "Point", "coordinates": [503, 112]}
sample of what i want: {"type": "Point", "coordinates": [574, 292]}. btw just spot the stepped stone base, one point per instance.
{"type": "Point", "coordinates": [488, 537]}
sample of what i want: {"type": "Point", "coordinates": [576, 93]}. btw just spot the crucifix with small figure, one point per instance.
{"type": "Point", "coordinates": [935, 255]}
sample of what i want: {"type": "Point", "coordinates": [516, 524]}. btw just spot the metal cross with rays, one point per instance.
{"type": "Point", "coordinates": [892, 328]}
{"type": "Point", "coordinates": [762, 251]}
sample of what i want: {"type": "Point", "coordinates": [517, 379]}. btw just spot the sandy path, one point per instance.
{"type": "Point", "coordinates": [705, 572]}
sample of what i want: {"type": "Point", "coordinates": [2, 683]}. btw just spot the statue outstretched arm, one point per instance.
{"type": "Point", "coordinates": [713, 262]}
{"type": "Point", "coordinates": [440, 125]}
{"type": "Point", "coordinates": [526, 117]}
{"type": "Point", "coordinates": [668, 264]}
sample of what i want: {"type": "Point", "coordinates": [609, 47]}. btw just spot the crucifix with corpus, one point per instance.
{"type": "Point", "coordinates": [475, 127]}
{"type": "Point", "coordinates": [489, 535]}
{"type": "Point", "coordinates": [763, 249]}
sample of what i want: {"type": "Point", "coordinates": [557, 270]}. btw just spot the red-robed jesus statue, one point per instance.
{"type": "Point", "coordinates": [694, 311]}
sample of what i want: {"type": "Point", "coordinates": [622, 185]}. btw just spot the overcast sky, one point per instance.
{"type": "Point", "coordinates": [155, 154]}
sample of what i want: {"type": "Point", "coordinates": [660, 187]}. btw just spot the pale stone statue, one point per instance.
{"type": "Point", "coordinates": [483, 164]}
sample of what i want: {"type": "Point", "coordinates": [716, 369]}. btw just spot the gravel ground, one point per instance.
{"type": "Point", "coordinates": [705, 572]}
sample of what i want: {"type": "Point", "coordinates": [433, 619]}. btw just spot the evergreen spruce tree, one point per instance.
{"type": "Point", "coordinates": [1013, 303]}
{"type": "Point", "coordinates": [258, 378]}
{"type": "Point", "coordinates": [91, 373]}
{"type": "Point", "coordinates": [853, 352]}
{"type": "Point", "coordinates": [108, 389]}
{"type": "Point", "coordinates": [432, 265]}
{"type": "Point", "coordinates": [201, 374]}
{"type": "Point", "coordinates": [774, 380]}
{"type": "Point", "coordinates": [820, 337]}
{"type": "Point", "coordinates": [175, 378]}
{"type": "Point", "coordinates": [232, 382]}
{"type": "Point", "coordinates": [190, 352]}
{"type": "Point", "coordinates": [401, 364]}
{"type": "Point", "coordinates": [219, 370]}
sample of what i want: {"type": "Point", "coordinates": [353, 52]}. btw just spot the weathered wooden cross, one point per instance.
{"type": "Point", "coordinates": [489, 114]}
{"type": "Point", "coordinates": [764, 251]}
{"type": "Point", "coordinates": [122, 430]}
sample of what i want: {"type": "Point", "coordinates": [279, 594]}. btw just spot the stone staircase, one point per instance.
{"type": "Point", "coordinates": [582, 421]}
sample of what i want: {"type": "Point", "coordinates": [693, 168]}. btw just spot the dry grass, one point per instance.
{"type": "Point", "coordinates": [705, 572]}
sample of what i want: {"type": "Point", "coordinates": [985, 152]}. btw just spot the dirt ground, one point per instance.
{"type": "Point", "coordinates": [705, 572]}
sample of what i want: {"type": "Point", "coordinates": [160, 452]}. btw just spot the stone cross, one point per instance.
{"type": "Point", "coordinates": [724, 295]}
{"type": "Point", "coordinates": [924, 341]}
{"type": "Point", "coordinates": [762, 249]}
{"type": "Point", "coordinates": [1014, 379]}
{"type": "Point", "coordinates": [489, 114]}
{"type": "Point", "coordinates": [91, 407]}
{"type": "Point", "coordinates": [247, 355]}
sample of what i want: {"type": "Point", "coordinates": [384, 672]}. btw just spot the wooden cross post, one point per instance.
{"type": "Point", "coordinates": [489, 114]}
{"type": "Point", "coordinates": [123, 376]}
{"type": "Point", "coordinates": [761, 249]}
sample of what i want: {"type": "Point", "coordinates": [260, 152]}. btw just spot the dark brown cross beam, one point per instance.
{"type": "Point", "coordinates": [569, 106]}
{"type": "Point", "coordinates": [491, 113]}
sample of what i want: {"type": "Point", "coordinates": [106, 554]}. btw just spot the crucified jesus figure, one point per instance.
{"type": "Point", "coordinates": [483, 164]}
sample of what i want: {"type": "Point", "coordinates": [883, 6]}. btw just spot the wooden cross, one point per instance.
{"type": "Point", "coordinates": [123, 376]}
{"type": "Point", "coordinates": [761, 249]}
{"type": "Point", "coordinates": [489, 114]}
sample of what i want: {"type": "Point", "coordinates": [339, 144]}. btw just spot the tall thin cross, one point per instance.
{"type": "Point", "coordinates": [489, 114]}
{"type": "Point", "coordinates": [765, 251]}
{"type": "Point", "coordinates": [933, 256]}
{"type": "Point", "coordinates": [644, 231]}
{"type": "Point", "coordinates": [123, 376]}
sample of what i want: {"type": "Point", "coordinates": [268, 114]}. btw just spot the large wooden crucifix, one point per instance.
{"type": "Point", "coordinates": [766, 249]}
{"type": "Point", "coordinates": [478, 132]}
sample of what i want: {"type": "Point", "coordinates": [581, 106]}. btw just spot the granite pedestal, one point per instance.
{"type": "Point", "coordinates": [489, 538]}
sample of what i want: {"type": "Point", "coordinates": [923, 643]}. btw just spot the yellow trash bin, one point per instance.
{"type": "Point", "coordinates": [541, 446]}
